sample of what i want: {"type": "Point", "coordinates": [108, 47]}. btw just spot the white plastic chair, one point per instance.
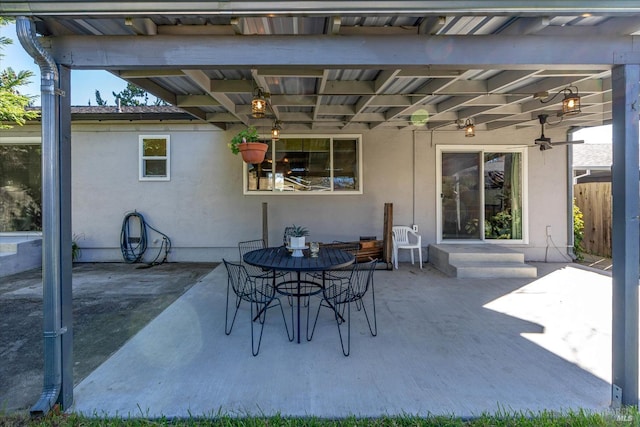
{"type": "Point", "coordinates": [405, 238]}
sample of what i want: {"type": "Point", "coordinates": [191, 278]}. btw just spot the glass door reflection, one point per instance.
{"type": "Point", "coordinates": [461, 196]}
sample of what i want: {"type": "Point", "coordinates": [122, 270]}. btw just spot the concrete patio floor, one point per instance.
{"type": "Point", "coordinates": [445, 346]}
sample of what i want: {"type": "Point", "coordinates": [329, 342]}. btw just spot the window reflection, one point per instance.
{"type": "Point", "coordinates": [503, 196]}
{"type": "Point", "coordinates": [154, 157]}
{"type": "Point", "coordinates": [20, 188]}
{"type": "Point", "coordinates": [260, 175]}
{"type": "Point", "coordinates": [304, 164]}
{"type": "Point", "coordinates": [345, 161]}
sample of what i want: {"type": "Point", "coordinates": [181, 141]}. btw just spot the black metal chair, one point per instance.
{"type": "Point", "coordinates": [335, 275]}
{"type": "Point", "coordinates": [259, 293]}
{"type": "Point", "coordinates": [248, 246]}
{"type": "Point", "coordinates": [252, 245]}
{"type": "Point", "coordinates": [340, 273]}
{"type": "Point", "coordinates": [340, 291]}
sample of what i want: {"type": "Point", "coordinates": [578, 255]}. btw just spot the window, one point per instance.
{"type": "Point", "coordinates": [154, 158]}
{"type": "Point", "coordinates": [20, 187]}
{"type": "Point", "coordinates": [308, 164]}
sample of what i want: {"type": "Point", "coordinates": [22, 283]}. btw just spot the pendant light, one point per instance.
{"type": "Point", "coordinates": [469, 128]}
{"type": "Point", "coordinates": [258, 104]}
{"type": "Point", "coordinates": [570, 102]}
{"type": "Point", "coordinates": [275, 130]}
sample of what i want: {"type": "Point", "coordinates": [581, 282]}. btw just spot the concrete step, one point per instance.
{"type": "Point", "coordinates": [479, 261]}
{"type": "Point", "coordinates": [495, 270]}
{"type": "Point", "coordinates": [478, 253]}
{"type": "Point", "coordinates": [8, 248]}
{"type": "Point", "coordinates": [19, 254]}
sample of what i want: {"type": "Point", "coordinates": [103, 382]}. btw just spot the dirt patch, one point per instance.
{"type": "Point", "coordinates": [111, 302]}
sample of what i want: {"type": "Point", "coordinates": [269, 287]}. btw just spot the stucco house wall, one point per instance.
{"type": "Point", "coordinates": [204, 212]}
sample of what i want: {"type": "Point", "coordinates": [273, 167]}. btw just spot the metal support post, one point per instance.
{"type": "Point", "coordinates": [625, 84]}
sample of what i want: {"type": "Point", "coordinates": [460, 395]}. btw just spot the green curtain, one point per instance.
{"type": "Point", "coordinates": [516, 195]}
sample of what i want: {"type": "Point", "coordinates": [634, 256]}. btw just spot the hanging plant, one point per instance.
{"type": "Point", "coordinates": [248, 134]}
{"type": "Point", "coordinates": [247, 142]}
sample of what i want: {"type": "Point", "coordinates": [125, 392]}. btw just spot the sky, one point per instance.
{"type": "Point", "coordinates": [85, 83]}
{"type": "Point", "coordinates": [595, 135]}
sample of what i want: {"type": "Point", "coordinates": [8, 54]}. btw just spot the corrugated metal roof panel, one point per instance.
{"type": "Point", "coordinates": [382, 26]}
{"type": "Point", "coordinates": [291, 86]}
{"type": "Point", "coordinates": [339, 100]}
{"type": "Point", "coordinates": [178, 85]}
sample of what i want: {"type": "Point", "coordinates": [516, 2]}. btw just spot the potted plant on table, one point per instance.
{"type": "Point", "coordinates": [296, 239]}
{"type": "Point", "coordinates": [247, 142]}
{"type": "Point", "coordinates": [297, 236]}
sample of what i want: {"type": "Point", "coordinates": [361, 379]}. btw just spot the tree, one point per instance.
{"type": "Point", "coordinates": [99, 99]}
{"type": "Point", "coordinates": [131, 96]}
{"type": "Point", "coordinates": [13, 105]}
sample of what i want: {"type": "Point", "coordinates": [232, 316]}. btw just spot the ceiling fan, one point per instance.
{"type": "Point", "coordinates": [544, 142]}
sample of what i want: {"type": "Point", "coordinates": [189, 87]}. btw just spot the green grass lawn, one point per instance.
{"type": "Point", "coordinates": [623, 418]}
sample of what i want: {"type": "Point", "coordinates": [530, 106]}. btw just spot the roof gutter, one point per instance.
{"type": "Point", "coordinates": [339, 7]}
{"type": "Point", "coordinates": [51, 234]}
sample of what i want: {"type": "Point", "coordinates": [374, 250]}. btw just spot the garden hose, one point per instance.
{"type": "Point", "coordinates": [133, 244]}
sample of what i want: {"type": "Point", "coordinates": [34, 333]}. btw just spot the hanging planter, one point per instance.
{"type": "Point", "coordinates": [248, 144]}
{"type": "Point", "coordinates": [253, 152]}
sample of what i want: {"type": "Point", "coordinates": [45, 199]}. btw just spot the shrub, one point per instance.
{"type": "Point", "coordinates": [578, 232]}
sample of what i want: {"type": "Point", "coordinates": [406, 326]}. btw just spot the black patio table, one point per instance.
{"type": "Point", "coordinates": [280, 259]}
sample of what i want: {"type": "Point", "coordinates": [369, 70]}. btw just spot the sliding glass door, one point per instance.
{"type": "Point", "coordinates": [503, 196]}
{"type": "Point", "coordinates": [461, 197]}
{"type": "Point", "coordinates": [481, 195]}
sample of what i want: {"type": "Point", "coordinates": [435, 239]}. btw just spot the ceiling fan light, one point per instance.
{"type": "Point", "coordinates": [570, 103]}
{"type": "Point", "coordinates": [469, 129]}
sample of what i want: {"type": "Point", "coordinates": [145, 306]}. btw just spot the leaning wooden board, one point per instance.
{"type": "Point", "coordinates": [365, 250]}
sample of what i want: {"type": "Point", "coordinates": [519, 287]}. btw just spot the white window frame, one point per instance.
{"type": "Point", "coordinates": [274, 191]}
{"type": "Point", "coordinates": [523, 149]}
{"type": "Point", "coordinates": [142, 158]}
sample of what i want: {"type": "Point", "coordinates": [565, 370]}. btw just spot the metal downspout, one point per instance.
{"type": "Point", "coordinates": [570, 236]}
{"type": "Point", "coordinates": [413, 195]}
{"type": "Point", "coordinates": [51, 235]}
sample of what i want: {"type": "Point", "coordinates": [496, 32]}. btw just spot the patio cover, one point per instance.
{"type": "Point", "coordinates": [354, 66]}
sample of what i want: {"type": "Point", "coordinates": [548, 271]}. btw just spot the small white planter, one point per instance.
{"type": "Point", "coordinates": [297, 242]}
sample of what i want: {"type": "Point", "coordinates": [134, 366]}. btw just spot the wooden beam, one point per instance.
{"type": "Point", "coordinates": [149, 73]}
{"type": "Point", "coordinates": [106, 52]}
{"type": "Point", "coordinates": [196, 101]}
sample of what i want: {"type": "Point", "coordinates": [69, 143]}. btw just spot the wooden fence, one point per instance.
{"type": "Point", "coordinates": [594, 200]}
